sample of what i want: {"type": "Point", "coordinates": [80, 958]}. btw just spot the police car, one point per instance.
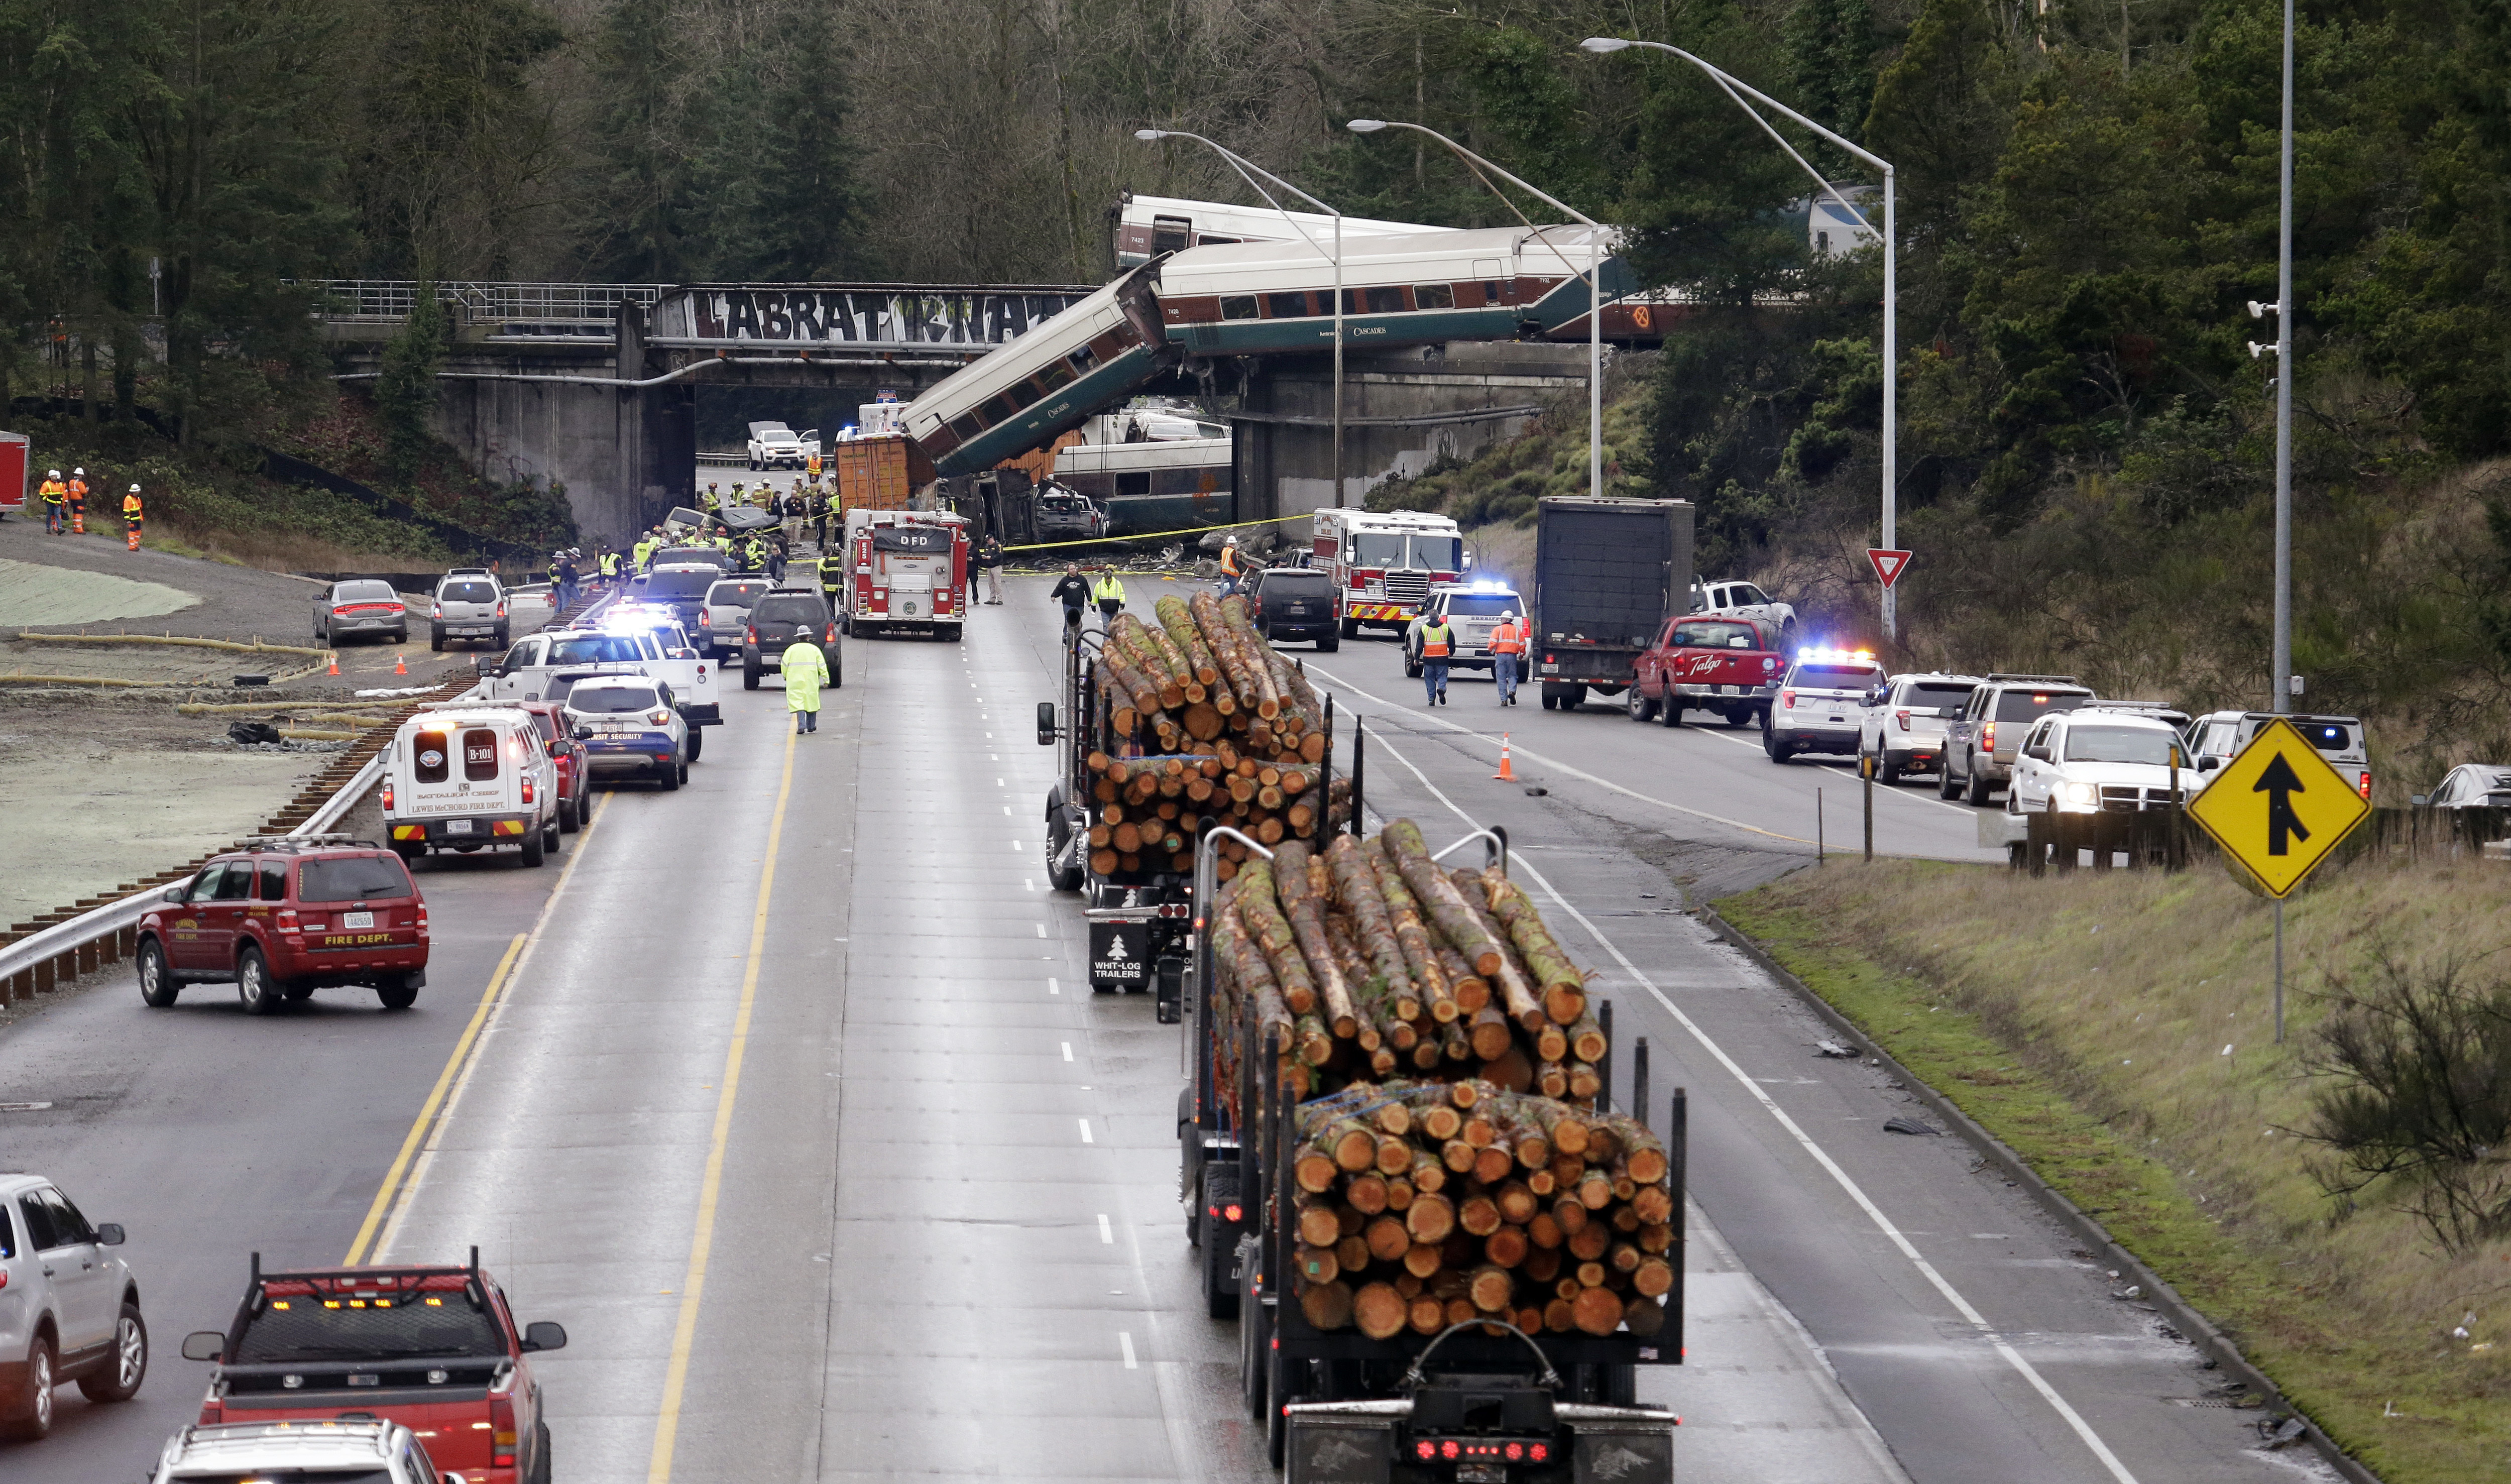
{"type": "Point", "coordinates": [1820, 703]}
{"type": "Point", "coordinates": [629, 726]}
{"type": "Point", "coordinates": [1472, 610]}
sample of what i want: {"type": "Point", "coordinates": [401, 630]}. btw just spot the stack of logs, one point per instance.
{"type": "Point", "coordinates": [1213, 723]}
{"type": "Point", "coordinates": [1421, 1205]}
{"type": "Point", "coordinates": [1370, 961]}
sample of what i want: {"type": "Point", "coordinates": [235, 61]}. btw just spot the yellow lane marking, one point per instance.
{"type": "Point", "coordinates": [454, 1064]}
{"type": "Point", "coordinates": [667, 1421]}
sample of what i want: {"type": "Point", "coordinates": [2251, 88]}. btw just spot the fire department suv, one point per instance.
{"type": "Point", "coordinates": [906, 572]}
{"type": "Point", "coordinates": [1385, 563]}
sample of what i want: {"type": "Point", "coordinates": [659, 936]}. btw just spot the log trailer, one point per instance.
{"type": "Point", "coordinates": [1480, 1402]}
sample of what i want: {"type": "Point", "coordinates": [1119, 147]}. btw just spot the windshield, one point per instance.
{"type": "Point", "coordinates": [668, 584]}
{"type": "Point", "coordinates": [1377, 551]}
{"type": "Point", "coordinates": [1440, 553]}
{"type": "Point", "coordinates": [1480, 605]}
{"type": "Point", "coordinates": [597, 700]}
{"type": "Point", "coordinates": [364, 592]}
{"type": "Point", "coordinates": [2119, 744]}
{"type": "Point", "coordinates": [786, 611]}
{"type": "Point", "coordinates": [351, 1475]}
{"type": "Point", "coordinates": [466, 591]}
{"type": "Point", "coordinates": [739, 594]}
{"type": "Point", "coordinates": [352, 879]}
{"type": "Point", "coordinates": [593, 649]}
{"type": "Point", "coordinates": [2029, 705]}
{"type": "Point", "coordinates": [308, 1328]}
{"type": "Point", "coordinates": [1936, 695]}
{"type": "Point", "coordinates": [1715, 636]}
{"type": "Point", "coordinates": [1299, 585]}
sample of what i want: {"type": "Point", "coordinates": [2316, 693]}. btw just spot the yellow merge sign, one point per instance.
{"type": "Point", "coordinates": [2278, 809]}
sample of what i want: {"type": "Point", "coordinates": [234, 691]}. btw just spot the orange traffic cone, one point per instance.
{"type": "Point", "coordinates": [335, 662]}
{"type": "Point", "coordinates": [1506, 773]}
{"type": "Point", "coordinates": [399, 664]}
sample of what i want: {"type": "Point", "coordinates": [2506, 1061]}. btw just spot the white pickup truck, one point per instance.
{"type": "Point", "coordinates": [774, 446]}
{"type": "Point", "coordinates": [642, 645]}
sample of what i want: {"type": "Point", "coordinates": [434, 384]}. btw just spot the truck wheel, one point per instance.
{"type": "Point", "coordinates": [540, 1473]}
{"type": "Point", "coordinates": [1329, 642]}
{"type": "Point", "coordinates": [157, 986]}
{"type": "Point", "coordinates": [1670, 713]}
{"type": "Point", "coordinates": [1977, 790]}
{"type": "Point", "coordinates": [435, 642]}
{"type": "Point", "coordinates": [697, 743]}
{"type": "Point", "coordinates": [1254, 1342]}
{"type": "Point", "coordinates": [296, 990]}
{"type": "Point", "coordinates": [534, 852]}
{"type": "Point", "coordinates": [120, 1380]}
{"type": "Point", "coordinates": [837, 657]}
{"type": "Point", "coordinates": [1351, 628]}
{"type": "Point", "coordinates": [1742, 715]}
{"type": "Point", "coordinates": [253, 983]}
{"type": "Point", "coordinates": [397, 997]}
{"type": "Point", "coordinates": [1642, 709]}
{"type": "Point", "coordinates": [1946, 788]}
{"type": "Point", "coordinates": [749, 677]}
{"type": "Point", "coordinates": [1276, 1427]}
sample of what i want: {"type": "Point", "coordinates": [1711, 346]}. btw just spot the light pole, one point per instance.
{"type": "Point", "coordinates": [2281, 680]}
{"type": "Point", "coordinates": [1731, 86]}
{"type": "Point", "coordinates": [1242, 166]}
{"type": "Point", "coordinates": [1594, 288]}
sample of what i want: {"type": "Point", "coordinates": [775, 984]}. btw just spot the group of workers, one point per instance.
{"type": "Point", "coordinates": [1439, 649]}
{"type": "Point", "coordinates": [64, 503]}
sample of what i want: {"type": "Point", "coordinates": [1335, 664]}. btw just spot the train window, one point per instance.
{"type": "Point", "coordinates": [1005, 407]}
{"type": "Point", "coordinates": [1494, 292]}
{"type": "Point", "coordinates": [1238, 306]}
{"type": "Point", "coordinates": [968, 427]}
{"type": "Point", "coordinates": [1433, 296]}
{"type": "Point", "coordinates": [1053, 374]}
{"type": "Point", "coordinates": [1386, 301]}
{"type": "Point", "coordinates": [1083, 358]}
{"type": "Point", "coordinates": [1287, 306]}
{"type": "Point", "coordinates": [1205, 480]}
{"type": "Point", "coordinates": [1206, 240]}
{"type": "Point", "coordinates": [1169, 234]}
{"type": "Point", "coordinates": [1133, 484]}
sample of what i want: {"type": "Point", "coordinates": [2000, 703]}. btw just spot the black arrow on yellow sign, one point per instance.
{"type": "Point", "coordinates": [2279, 783]}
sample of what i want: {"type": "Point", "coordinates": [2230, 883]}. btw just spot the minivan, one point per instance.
{"type": "Point", "coordinates": [465, 778]}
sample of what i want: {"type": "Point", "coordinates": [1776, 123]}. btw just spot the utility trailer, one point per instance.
{"type": "Point", "coordinates": [1139, 918]}
{"type": "Point", "coordinates": [1480, 1403]}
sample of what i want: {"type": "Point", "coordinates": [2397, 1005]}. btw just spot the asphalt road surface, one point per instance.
{"type": "Point", "coordinates": [789, 1099]}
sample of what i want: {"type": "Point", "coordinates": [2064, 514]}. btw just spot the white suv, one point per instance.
{"type": "Point", "coordinates": [1819, 703]}
{"type": "Point", "coordinates": [2217, 737]}
{"type": "Point", "coordinates": [1903, 725]}
{"type": "Point", "coordinates": [2099, 760]}
{"type": "Point", "coordinates": [350, 1451]}
{"type": "Point", "coordinates": [69, 1309]}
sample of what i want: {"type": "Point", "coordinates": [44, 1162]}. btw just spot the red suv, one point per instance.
{"type": "Point", "coordinates": [286, 918]}
{"type": "Point", "coordinates": [433, 1348]}
{"type": "Point", "coordinates": [574, 780]}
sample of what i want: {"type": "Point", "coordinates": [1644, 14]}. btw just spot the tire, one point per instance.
{"type": "Point", "coordinates": [1277, 1387]}
{"type": "Point", "coordinates": [1779, 751]}
{"type": "Point", "coordinates": [540, 1473]}
{"type": "Point", "coordinates": [435, 642]}
{"type": "Point", "coordinates": [255, 987]}
{"type": "Point", "coordinates": [584, 805]}
{"type": "Point", "coordinates": [684, 770]}
{"type": "Point", "coordinates": [406, 852]}
{"type": "Point", "coordinates": [954, 635]}
{"type": "Point", "coordinates": [697, 743]}
{"type": "Point", "coordinates": [157, 986]}
{"type": "Point", "coordinates": [1329, 643]}
{"type": "Point", "coordinates": [749, 677]}
{"type": "Point", "coordinates": [1351, 628]}
{"type": "Point", "coordinates": [1640, 709]}
{"type": "Point", "coordinates": [535, 851]}
{"type": "Point", "coordinates": [1746, 717]}
{"type": "Point", "coordinates": [1411, 666]}
{"type": "Point", "coordinates": [397, 996]}
{"type": "Point", "coordinates": [1670, 712]}
{"type": "Point", "coordinates": [551, 843]}
{"type": "Point", "coordinates": [569, 814]}
{"type": "Point", "coordinates": [1976, 791]}
{"type": "Point", "coordinates": [1550, 701]}
{"type": "Point", "coordinates": [501, 636]}
{"type": "Point", "coordinates": [129, 1366]}
{"type": "Point", "coordinates": [1888, 773]}
{"type": "Point", "coordinates": [32, 1417]}
{"type": "Point", "coordinates": [1946, 788]}
{"type": "Point", "coordinates": [670, 776]}
{"type": "Point", "coordinates": [837, 657]}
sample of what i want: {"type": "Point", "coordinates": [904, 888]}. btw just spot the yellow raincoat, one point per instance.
{"type": "Point", "coordinates": [805, 671]}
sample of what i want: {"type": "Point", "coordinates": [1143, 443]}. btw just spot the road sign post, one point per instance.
{"type": "Point", "coordinates": [2278, 810]}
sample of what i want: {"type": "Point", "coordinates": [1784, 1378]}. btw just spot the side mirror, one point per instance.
{"type": "Point", "coordinates": [2209, 764]}
{"type": "Point", "coordinates": [1045, 725]}
{"type": "Point", "coordinates": [203, 1344]}
{"type": "Point", "coordinates": [109, 1235]}
{"type": "Point", "coordinates": [2419, 800]}
{"type": "Point", "coordinates": [544, 1334]}
{"type": "Point", "coordinates": [582, 732]}
{"type": "Point", "coordinates": [1169, 990]}
{"type": "Point", "coordinates": [174, 893]}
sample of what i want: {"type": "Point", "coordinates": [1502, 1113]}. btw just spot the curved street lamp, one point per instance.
{"type": "Point", "coordinates": [1595, 277]}
{"type": "Point", "coordinates": [1241, 164]}
{"type": "Point", "coordinates": [1732, 86]}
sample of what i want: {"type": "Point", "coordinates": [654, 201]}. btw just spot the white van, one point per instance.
{"type": "Point", "coordinates": [466, 777]}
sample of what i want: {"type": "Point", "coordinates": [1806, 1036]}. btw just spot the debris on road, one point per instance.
{"type": "Point", "coordinates": [1834, 1048]}
{"type": "Point", "coordinates": [1906, 1126]}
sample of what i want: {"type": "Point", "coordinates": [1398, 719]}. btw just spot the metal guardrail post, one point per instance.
{"type": "Point", "coordinates": [1640, 1081]}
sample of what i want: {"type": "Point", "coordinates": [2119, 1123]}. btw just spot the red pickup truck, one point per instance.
{"type": "Point", "coordinates": [432, 1348]}
{"type": "Point", "coordinates": [1729, 665]}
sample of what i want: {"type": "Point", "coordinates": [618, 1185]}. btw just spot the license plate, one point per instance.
{"type": "Point", "coordinates": [1482, 1473]}
{"type": "Point", "coordinates": [1730, 690]}
{"type": "Point", "coordinates": [349, 919]}
{"type": "Point", "coordinates": [457, 827]}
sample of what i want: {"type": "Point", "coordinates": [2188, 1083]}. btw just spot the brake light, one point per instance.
{"type": "Point", "coordinates": [706, 618]}
{"type": "Point", "coordinates": [2366, 783]}
{"type": "Point", "coordinates": [340, 610]}
{"type": "Point", "coordinates": [422, 920]}
{"type": "Point", "coordinates": [1987, 737]}
{"type": "Point", "coordinates": [501, 1431]}
{"type": "Point", "coordinates": [501, 607]}
{"type": "Point", "coordinates": [388, 798]}
{"type": "Point", "coordinates": [1903, 717]}
{"type": "Point", "coordinates": [659, 715]}
{"type": "Point", "coordinates": [1788, 699]}
{"type": "Point", "coordinates": [1232, 1212]}
{"type": "Point", "coordinates": [831, 637]}
{"type": "Point", "coordinates": [436, 610]}
{"type": "Point", "coordinates": [527, 791]}
{"type": "Point", "coordinates": [750, 636]}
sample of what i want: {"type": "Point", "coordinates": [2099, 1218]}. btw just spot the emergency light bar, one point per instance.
{"type": "Point", "coordinates": [1811, 656]}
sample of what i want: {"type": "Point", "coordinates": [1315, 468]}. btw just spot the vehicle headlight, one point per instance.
{"type": "Point", "coordinates": [2083, 792]}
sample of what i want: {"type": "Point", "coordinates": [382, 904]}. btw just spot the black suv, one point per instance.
{"type": "Point", "coordinates": [787, 616]}
{"type": "Point", "coordinates": [1293, 602]}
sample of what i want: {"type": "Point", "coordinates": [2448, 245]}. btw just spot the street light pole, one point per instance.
{"type": "Point", "coordinates": [1241, 164]}
{"type": "Point", "coordinates": [1595, 275]}
{"type": "Point", "coordinates": [2282, 680]}
{"type": "Point", "coordinates": [1732, 86]}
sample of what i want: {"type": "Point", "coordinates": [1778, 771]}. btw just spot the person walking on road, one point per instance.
{"type": "Point", "coordinates": [990, 561]}
{"type": "Point", "coordinates": [1508, 650]}
{"type": "Point", "coordinates": [1438, 641]}
{"type": "Point", "coordinates": [564, 572]}
{"type": "Point", "coordinates": [1073, 593]}
{"type": "Point", "coordinates": [56, 497]}
{"type": "Point", "coordinates": [831, 571]}
{"type": "Point", "coordinates": [1109, 594]}
{"type": "Point", "coordinates": [132, 515]}
{"type": "Point", "coordinates": [805, 669]}
{"type": "Point", "coordinates": [1230, 571]}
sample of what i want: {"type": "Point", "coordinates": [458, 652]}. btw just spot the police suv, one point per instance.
{"type": "Point", "coordinates": [1820, 703]}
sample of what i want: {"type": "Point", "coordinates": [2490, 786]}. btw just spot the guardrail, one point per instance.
{"type": "Point", "coordinates": [391, 299]}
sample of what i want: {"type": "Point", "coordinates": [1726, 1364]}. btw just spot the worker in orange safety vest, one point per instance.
{"type": "Point", "coordinates": [1508, 652]}
{"type": "Point", "coordinates": [1438, 641]}
{"type": "Point", "coordinates": [78, 502]}
{"type": "Point", "coordinates": [132, 513]}
{"type": "Point", "coordinates": [1229, 569]}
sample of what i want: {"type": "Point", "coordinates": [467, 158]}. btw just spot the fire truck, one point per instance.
{"type": "Point", "coordinates": [1384, 561]}
{"type": "Point", "coordinates": [906, 572]}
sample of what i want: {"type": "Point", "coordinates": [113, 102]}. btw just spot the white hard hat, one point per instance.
{"type": "Point", "coordinates": [134, 489]}
{"type": "Point", "coordinates": [56, 474]}
{"type": "Point", "coordinates": [78, 473]}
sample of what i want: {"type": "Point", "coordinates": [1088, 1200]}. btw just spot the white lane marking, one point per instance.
{"type": "Point", "coordinates": [1126, 1339]}
{"type": "Point", "coordinates": [1053, 988]}
{"type": "Point", "coordinates": [1027, 885]}
{"type": "Point", "coordinates": [1822, 1157]}
{"type": "Point", "coordinates": [998, 783]}
{"type": "Point", "coordinates": [1041, 929]}
{"type": "Point", "coordinates": [1007, 809]}
{"type": "Point", "coordinates": [1068, 1050]}
{"type": "Point", "coordinates": [1085, 1131]}
{"type": "Point", "coordinates": [1107, 1233]}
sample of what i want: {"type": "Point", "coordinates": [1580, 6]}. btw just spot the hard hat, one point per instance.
{"type": "Point", "coordinates": [78, 474]}
{"type": "Point", "coordinates": [134, 489]}
{"type": "Point", "coordinates": [55, 474]}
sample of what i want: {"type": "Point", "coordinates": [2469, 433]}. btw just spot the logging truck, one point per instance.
{"type": "Point", "coordinates": [1434, 1280]}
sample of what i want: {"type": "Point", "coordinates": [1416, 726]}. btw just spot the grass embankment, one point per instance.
{"type": "Point", "coordinates": [2114, 1028]}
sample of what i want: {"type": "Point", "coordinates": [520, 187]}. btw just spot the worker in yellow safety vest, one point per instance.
{"type": "Point", "coordinates": [811, 465]}
{"type": "Point", "coordinates": [56, 497]}
{"type": "Point", "coordinates": [1508, 652]}
{"type": "Point", "coordinates": [710, 502]}
{"type": "Point", "coordinates": [1108, 593]}
{"type": "Point", "coordinates": [1438, 641]}
{"type": "Point", "coordinates": [132, 514]}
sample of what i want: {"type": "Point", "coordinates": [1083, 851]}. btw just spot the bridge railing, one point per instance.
{"type": "Point", "coordinates": [386, 300]}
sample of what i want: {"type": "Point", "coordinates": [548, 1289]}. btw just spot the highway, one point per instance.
{"type": "Point", "coordinates": [786, 1094]}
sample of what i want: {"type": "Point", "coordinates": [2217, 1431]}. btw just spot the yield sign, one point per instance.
{"type": "Point", "coordinates": [1890, 565]}
{"type": "Point", "coordinates": [2278, 809]}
